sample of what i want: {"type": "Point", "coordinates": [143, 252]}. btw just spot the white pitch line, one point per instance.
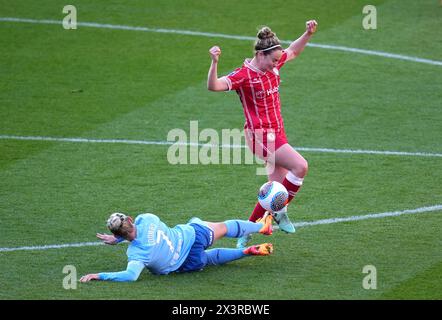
{"type": "Point", "coordinates": [369, 216]}
{"type": "Point", "coordinates": [233, 146]}
{"type": "Point", "coordinates": [359, 151]}
{"type": "Point", "coordinates": [52, 246]}
{"type": "Point", "coordinates": [226, 36]}
{"type": "Point", "coordinates": [298, 225]}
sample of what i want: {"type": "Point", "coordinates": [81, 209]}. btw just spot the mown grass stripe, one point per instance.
{"type": "Point", "coordinates": [298, 225]}
{"type": "Point", "coordinates": [226, 36]}
{"type": "Point", "coordinates": [233, 146]}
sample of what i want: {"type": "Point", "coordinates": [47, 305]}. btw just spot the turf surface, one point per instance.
{"type": "Point", "coordinates": [121, 84]}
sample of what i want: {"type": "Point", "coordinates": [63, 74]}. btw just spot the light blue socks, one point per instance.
{"type": "Point", "coordinates": [240, 228]}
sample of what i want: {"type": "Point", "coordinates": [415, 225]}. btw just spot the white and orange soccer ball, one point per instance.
{"type": "Point", "coordinates": [273, 196]}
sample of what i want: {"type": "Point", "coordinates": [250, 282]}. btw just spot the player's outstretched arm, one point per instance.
{"type": "Point", "coordinates": [132, 273]}
{"type": "Point", "coordinates": [90, 277]}
{"type": "Point", "coordinates": [108, 238]}
{"type": "Point", "coordinates": [297, 46]}
{"type": "Point", "coordinates": [213, 83]}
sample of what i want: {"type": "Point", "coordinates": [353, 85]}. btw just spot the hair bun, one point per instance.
{"type": "Point", "coordinates": [265, 33]}
{"type": "Point", "coordinates": [115, 221]}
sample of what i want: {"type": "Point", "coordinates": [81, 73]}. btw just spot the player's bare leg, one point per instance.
{"type": "Point", "coordinates": [235, 229]}
{"type": "Point", "coordinates": [292, 160]}
{"type": "Point", "coordinates": [296, 168]}
{"type": "Point", "coordinates": [276, 173]}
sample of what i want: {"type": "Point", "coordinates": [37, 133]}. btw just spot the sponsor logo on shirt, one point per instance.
{"type": "Point", "coordinates": [261, 94]}
{"type": "Point", "coordinates": [272, 90]}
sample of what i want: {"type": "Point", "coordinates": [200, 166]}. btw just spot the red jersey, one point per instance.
{"type": "Point", "coordinates": [259, 94]}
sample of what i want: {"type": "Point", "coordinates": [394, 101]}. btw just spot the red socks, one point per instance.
{"type": "Point", "coordinates": [292, 183]}
{"type": "Point", "coordinates": [257, 213]}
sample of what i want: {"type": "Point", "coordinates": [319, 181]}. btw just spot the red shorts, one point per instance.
{"type": "Point", "coordinates": [263, 142]}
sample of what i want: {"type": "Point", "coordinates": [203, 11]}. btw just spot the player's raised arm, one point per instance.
{"type": "Point", "coordinates": [297, 46]}
{"type": "Point", "coordinates": [213, 83]}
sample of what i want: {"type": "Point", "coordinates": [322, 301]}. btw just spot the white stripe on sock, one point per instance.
{"type": "Point", "coordinates": [294, 179]}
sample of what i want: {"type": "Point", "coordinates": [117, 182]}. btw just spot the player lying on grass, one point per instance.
{"type": "Point", "coordinates": [162, 250]}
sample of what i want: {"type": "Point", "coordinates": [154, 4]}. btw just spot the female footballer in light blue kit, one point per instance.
{"type": "Point", "coordinates": [162, 250]}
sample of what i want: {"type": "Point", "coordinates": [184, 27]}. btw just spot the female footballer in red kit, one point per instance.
{"type": "Point", "coordinates": [257, 84]}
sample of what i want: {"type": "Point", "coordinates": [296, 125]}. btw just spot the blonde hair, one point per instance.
{"type": "Point", "coordinates": [267, 41]}
{"type": "Point", "coordinates": [119, 225]}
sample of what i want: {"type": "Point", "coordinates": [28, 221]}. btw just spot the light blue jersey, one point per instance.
{"type": "Point", "coordinates": [157, 247]}
{"type": "Point", "coordinates": [160, 248]}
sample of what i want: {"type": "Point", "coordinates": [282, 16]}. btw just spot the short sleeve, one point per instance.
{"type": "Point", "coordinates": [283, 60]}
{"type": "Point", "coordinates": [235, 79]}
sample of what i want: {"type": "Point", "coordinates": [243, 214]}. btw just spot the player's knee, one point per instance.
{"type": "Point", "coordinates": [301, 168]}
{"type": "Point", "coordinates": [219, 229]}
{"type": "Point", "coordinates": [305, 167]}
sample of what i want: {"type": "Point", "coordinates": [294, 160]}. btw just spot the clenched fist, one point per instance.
{"type": "Point", "coordinates": [311, 26]}
{"type": "Point", "coordinates": [215, 52]}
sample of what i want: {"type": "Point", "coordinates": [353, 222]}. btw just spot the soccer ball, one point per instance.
{"type": "Point", "coordinates": [273, 196]}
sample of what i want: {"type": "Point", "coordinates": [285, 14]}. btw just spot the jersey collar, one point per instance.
{"type": "Point", "coordinates": [251, 67]}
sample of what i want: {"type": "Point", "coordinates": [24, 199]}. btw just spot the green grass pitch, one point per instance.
{"type": "Point", "coordinates": [102, 83]}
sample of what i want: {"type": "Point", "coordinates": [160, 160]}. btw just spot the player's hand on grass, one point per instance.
{"type": "Point", "coordinates": [90, 277]}
{"type": "Point", "coordinates": [310, 26]}
{"type": "Point", "coordinates": [215, 52]}
{"type": "Point", "coordinates": [107, 238]}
